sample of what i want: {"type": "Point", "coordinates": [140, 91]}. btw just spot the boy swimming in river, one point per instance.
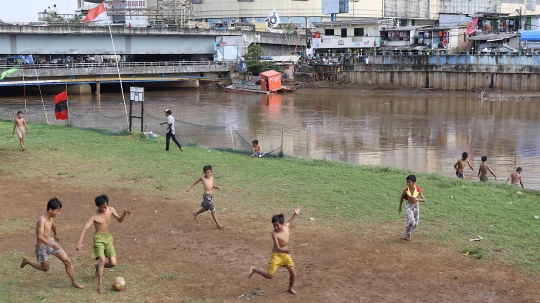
{"type": "Point", "coordinates": [281, 251]}
{"type": "Point", "coordinates": [412, 208]}
{"type": "Point", "coordinates": [46, 245]}
{"type": "Point", "coordinates": [484, 169]}
{"type": "Point", "coordinates": [207, 203]}
{"type": "Point", "coordinates": [460, 165]}
{"type": "Point", "coordinates": [103, 240]}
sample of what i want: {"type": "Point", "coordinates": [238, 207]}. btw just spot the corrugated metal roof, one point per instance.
{"type": "Point", "coordinates": [283, 58]}
{"type": "Point", "coordinates": [404, 28]}
{"type": "Point", "coordinates": [493, 37]}
{"type": "Point", "coordinates": [270, 73]}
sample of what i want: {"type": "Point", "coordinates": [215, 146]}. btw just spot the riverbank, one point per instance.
{"type": "Point", "coordinates": [349, 227]}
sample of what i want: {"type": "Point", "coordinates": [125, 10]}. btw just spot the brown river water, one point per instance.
{"type": "Point", "coordinates": [417, 130]}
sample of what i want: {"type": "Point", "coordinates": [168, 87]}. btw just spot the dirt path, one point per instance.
{"type": "Point", "coordinates": [335, 261]}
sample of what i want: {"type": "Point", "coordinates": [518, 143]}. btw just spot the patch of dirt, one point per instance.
{"type": "Point", "coordinates": [335, 261]}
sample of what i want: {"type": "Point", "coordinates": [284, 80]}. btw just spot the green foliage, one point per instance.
{"type": "Point", "coordinates": [256, 66]}
{"type": "Point", "coordinates": [254, 52]}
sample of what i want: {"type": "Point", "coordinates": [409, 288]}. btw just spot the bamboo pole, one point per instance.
{"type": "Point", "coordinates": [146, 130]}
{"type": "Point", "coordinates": [232, 138]}
{"type": "Point", "coordinates": [9, 113]}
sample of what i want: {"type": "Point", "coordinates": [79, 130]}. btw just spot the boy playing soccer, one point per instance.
{"type": "Point", "coordinates": [483, 170]}
{"type": "Point", "coordinates": [280, 252]}
{"type": "Point", "coordinates": [460, 165]}
{"type": "Point", "coordinates": [103, 240]}
{"type": "Point", "coordinates": [256, 150]}
{"type": "Point", "coordinates": [46, 245]}
{"type": "Point", "coordinates": [516, 177]}
{"type": "Point", "coordinates": [20, 125]}
{"type": "Point", "coordinates": [412, 208]}
{"type": "Point", "coordinates": [207, 204]}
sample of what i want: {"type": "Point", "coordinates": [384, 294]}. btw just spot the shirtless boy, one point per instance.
{"type": "Point", "coordinates": [281, 251]}
{"type": "Point", "coordinates": [207, 204]}
{"type": "Point", "coordinates": [20, 126]}
{"type": "Point", "coordinates": [484, 169]}
{"type": "Point", "coordinates": [516, 177]}
{"type": "Point", "coordinates": [46, 245]}
{"type": "Point", "coordinates": [256, 150]}
{"type": "Point", "coordinates": [103, 240]}
{"type": "Point", "coordinates": [412, 208]}
{"type": "Point", "coordinates": [460, 165]}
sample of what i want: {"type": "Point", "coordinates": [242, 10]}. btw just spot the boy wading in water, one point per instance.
{"type": "Point", "coordinates": [460, 165]}
{"type": "Point", "coordinates": [484, 169]}
{"type": "Point", "coordinates": [516, 177]}
{"type": "Point", "coordinates": [20, 126]}
{"type": "Point", "coordinates": [412, 208]}
{"type": "Point", "coordinates": [103, 240]}
{"type": "Point", "coordinates": [280, 252]}
{"type": "Point", "coordinates": [207, 204]}
{"type": "Point", "coordinates": [46, 245]}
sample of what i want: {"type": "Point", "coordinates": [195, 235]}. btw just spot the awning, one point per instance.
{"type": "Point", "coordinates": [530, 36]}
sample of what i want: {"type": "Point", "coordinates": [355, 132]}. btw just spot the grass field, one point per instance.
{"type": "Point", "coordinates": [455, 211]}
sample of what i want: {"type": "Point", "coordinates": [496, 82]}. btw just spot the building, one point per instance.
{"type": "Point", "coordinates": [348, 35]}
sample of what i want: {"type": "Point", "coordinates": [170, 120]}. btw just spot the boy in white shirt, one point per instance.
{"type": "Point", "coordinates": [170, 130]}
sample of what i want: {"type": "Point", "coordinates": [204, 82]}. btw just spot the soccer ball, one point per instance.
{"type": "Point", "coordinates": [119, 284]}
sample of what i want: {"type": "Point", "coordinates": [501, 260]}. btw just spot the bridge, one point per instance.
{"type": "Point", "coordinates": [79, 76]}
{"type": "Point", "coordinates": [95, 40]}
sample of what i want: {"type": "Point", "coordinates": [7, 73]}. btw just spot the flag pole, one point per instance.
{"type": "Point", "coordinates": [42, 102]}
{"type": "Point", "coordinates": [67, 97]}
{"type": "Point", "coordinates": [24, 92]}
{"type": "Point", "coordinates": [117, 66]}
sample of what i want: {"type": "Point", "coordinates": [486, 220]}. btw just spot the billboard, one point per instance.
{"type": "Point", "coordinates": [135, 12]}
{"type": "Point", "coordinates": [335, 7]}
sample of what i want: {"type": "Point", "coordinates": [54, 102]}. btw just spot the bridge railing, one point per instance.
{"type": "Point", "coordinates": [120, 64]}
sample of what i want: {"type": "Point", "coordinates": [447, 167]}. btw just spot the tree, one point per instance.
{"type": "Point", "coordinates": [255, 65]}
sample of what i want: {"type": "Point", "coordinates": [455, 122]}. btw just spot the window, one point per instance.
{"type": "Point", "coordinates": [328, 31]}
{"type": "Point", "coordinates": [359, 31]}
{"type": "Point", "coordinates": [227, 21]}
{"type": "Point", "coordinates": [260, 19]}
{"type": "Point", "coordinates": [301, 20]}
{"type": "Point", "coordinates": [343, 32]}
{"type": "Point", "coordinates": [245, 0]}
{"type": "Point", "coordinates": [402, 22]}
{"type": "Point", "coordinates": [314, 19]}
{"type": "Point", "coordinates": [197, 1]}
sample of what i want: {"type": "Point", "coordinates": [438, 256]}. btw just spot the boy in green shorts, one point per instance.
{"type": "Point", "coordinates": [103, 241]}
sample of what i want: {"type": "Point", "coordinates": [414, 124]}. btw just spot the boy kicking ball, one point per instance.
{"type": "Point", "coordinates": [103, 240]}
{"type": "Point", "coordinates": [281, 252]}
{"type": "Point", "coordinates": [46, 245]}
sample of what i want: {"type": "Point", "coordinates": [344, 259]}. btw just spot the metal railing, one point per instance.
{"type": "Point", "coordinates": [120, 64]}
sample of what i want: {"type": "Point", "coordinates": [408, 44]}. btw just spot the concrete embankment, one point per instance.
{"type": "Point", "coordinates": [448, 72]}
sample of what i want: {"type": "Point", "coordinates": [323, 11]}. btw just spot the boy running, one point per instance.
{"type": "Point", "coordinates": [484, 169]}
{"type": "Point", "coordinates": [20, 125]}
{"type": "Point", "coordinates": [516, 177]}
{"type": "Point", "coordinates": [280, 252]}
{"type": "Point", "coordinates": [103, 240]}
{"type": "Point", "coordinates": [412, 208]}
{"type": "Point", "coordinates": [46, 245]}
{"type": "Point", "coordinates": [460, 165]}
{"type": "Point", "coordinates": [207, 204]}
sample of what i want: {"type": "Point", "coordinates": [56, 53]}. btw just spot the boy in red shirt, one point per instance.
{"type": "Point", "coordinates": [412, 208]}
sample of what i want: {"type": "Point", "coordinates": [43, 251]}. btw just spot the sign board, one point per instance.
{"type": "Point", "coordinates": [335, 7]}
{"type": "Point", "coordinates": [136, 94]}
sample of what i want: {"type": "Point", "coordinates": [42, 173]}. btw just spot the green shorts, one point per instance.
{"type": "Point", "coordinates": [103, 246]}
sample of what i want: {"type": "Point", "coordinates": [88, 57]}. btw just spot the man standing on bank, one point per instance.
{"type": "Point", "coordinates": [170, 130]}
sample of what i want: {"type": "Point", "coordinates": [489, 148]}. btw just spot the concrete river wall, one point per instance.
{"type": "Point", "coordinates": [448, 72]}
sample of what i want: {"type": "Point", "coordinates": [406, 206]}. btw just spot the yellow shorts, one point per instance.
{"type": "Point", "coordinates": [279, 260]}
{"type": "Point", "coordinates": [103, 246]}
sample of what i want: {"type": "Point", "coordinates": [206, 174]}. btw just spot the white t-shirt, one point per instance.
{"type": "Point", "coordinates": [170, 124]}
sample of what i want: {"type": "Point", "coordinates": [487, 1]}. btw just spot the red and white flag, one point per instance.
{"type": "Point", "coordinates": [98, 13]}
{"type": "Point", "coordinates": [472, 27]}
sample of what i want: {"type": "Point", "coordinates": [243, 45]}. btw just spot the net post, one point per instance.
{"type": "Point", "coordinates": [146, 130]}
{"type": "Point", "coordinates": [9, 113]}
{"type": "Point", "coordinates": [232, 137]}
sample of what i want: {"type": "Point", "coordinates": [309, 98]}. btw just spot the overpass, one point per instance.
{"type": "Point", "coordinates": [95, 40]}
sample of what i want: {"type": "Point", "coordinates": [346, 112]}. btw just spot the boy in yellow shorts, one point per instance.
{"type": "Point", "coordinates": [103, 240]}
{"type": "Point", "coordinates": [281, 252]}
